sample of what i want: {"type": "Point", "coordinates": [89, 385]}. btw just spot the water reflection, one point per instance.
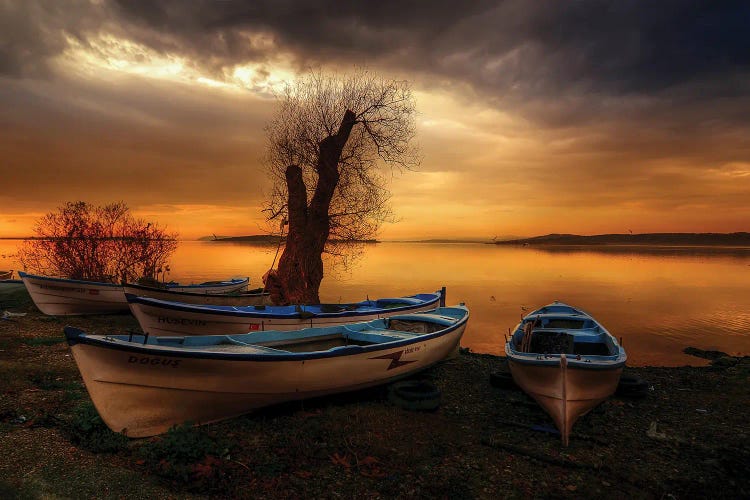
{"type": "Point", "coordinates": [658, 300]}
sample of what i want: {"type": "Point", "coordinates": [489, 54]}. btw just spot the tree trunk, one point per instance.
{"type": "Point", "coordinates": [297, 279]}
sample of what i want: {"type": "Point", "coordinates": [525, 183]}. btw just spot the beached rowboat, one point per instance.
{"type": "Point", "coordinates": [144, 385]}
{"type": "Point", "coordinates": [160, 317]}
{"type": "Point", "coordinates": [566, 361]}
{"type": "Point", "coordinates": [6, 275]}
{"type": "Point", "coordinates": [65, 297]}
{"type": "Point", "coordinates": [244, 298]}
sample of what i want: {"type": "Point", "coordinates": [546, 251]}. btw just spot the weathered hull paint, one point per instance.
{"type": "Point", "coordinates": [62, 297]}
{"type": "Point", "coordinates": [68, 298]}
{"type": "Point", "coordinates": [566, 393]}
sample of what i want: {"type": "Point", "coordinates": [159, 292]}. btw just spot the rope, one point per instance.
{"type": "Point", "coordinates": [278, 247]}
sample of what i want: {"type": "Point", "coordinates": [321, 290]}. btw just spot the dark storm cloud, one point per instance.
{"type": "Point", "coordinates": [513, 53]}
{"type": "Point", "coordinates": [634, 100]}
{"type": "Point", "coordinates": [506, 46]}
{"type": "Point", "coordinates": [33, 31]}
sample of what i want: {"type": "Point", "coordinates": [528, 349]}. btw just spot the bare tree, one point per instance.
{"type": "Point", "coordinates": [326, 147]}
{"type": "Point", "coordinates": [81, 241]}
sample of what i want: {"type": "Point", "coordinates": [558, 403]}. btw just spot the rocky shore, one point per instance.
{"type": "Point", "coordinates": [688, 437]}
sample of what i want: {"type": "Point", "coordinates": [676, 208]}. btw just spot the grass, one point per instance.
{"type": "Point", "coordinates": [42, 341]}
{"type": "Point", "coordinates": [479, 444]}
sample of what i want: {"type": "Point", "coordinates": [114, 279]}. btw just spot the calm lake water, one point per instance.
{"type": "Point", "coordinates": [658, 299]}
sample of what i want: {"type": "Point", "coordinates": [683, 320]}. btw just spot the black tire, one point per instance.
{"type": "Point", "coordinates": [631, 386]}
{"type": "Point", "coordinates": [502, 380]}
{"type": "Point", "coordinates": [415, 395]}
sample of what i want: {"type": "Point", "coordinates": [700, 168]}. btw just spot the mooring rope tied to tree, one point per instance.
{"type": "Point", "coordinates": [284, 222]}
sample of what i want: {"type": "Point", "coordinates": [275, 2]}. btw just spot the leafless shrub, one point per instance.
{"type": "Point", "coordinates": [100, 243]}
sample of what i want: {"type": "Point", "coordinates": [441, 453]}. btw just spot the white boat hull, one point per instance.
{"type": "Point", "coordinates": [565, 393]}
{"type": "Point", "coordinates": [61, 297]}
{"type": "Point", "coordinates": [566, 360]}
{"type": "Point", "coordinates": [67, 298]}
{"type": "Point", "coordinates": [146, 394]}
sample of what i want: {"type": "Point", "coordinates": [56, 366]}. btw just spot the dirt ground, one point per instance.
{"type": "Point", "coordinates": [687, 438]}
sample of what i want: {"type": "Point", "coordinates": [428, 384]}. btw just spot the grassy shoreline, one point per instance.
{"type": "Point", "coordinates": [687, 438]}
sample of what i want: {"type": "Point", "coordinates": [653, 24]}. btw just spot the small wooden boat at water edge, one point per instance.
{"type": "Point", "coordinates": [143, 385]}
{"type": "Point", "coordinates": [6, 275]}
{"type": "Point", "coordinates": [66, 297]}
{"type": "Point", "coordinates": [161, 317]}
{"type": "Point", "coordinates": [243, 298]}
{"type": "Point", "coordinates": [566, 361]}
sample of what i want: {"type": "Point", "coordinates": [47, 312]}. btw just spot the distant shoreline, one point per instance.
{"type": "Point", "coordinates": [741, 239]}
{"type": "Point", "coordinates": [730, 240]}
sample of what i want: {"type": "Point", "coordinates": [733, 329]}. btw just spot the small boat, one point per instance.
{"type": "Point", "coordinates": [6, 275]}
{"type": "Point", "coordinates": [65, 297]}
{"type": "Point", "coordinates": [243, 298]}
{"type": "Point", "coordinates": [566, 361]}
{"type": "Point", "coordinates": [161, 317]}
{"type": "Point", "coordinates": [143, 385]}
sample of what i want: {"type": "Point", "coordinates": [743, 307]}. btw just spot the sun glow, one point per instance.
{"type": "Point", "coordinates": [108, 55]}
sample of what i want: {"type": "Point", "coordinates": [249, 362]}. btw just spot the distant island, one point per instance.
{"type": "Point", "coordinates": [741, 239]}
{"type": "Point", "coordinates": [667, 239]}
{"type": "Point", "coordinates": [259, 239]}
{"type": "Point", "coordinates": [262, 239]}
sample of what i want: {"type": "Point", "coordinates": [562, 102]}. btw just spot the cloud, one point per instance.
{"type": "Point", "coordinates": [138, 140]}
{"type": "Point", "coordinates": [532, 107]}
{"type": "Point", "coordinates": [511, 51]}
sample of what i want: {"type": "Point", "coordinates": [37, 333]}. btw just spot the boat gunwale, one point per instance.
{"type": "Point", "coordinates": [65, 280]}
{"type": "Point", "coordinates": [75, 336]}
{"type": "Point", "coordinates": [587, 362]}
{"type": "Point", "coordinates": [179, 293]}
{"type": "Point", "coordinates": [583, 361]}
{"type": "Point", "coordinates": [212, 284]}
{"type": "Point", "coordinates": [261, 314]}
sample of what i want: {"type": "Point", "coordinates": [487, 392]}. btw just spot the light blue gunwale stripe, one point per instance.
{"type": "Point", "coordinates": [268, 313]}
{"type": "Point", "coordinates": [76, 336]}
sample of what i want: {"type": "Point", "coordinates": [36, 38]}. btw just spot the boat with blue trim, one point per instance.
{"type": "Point", "coordinates": [66, 297]}
{"type": "Point", "coordinates": [566, 360]}
{"type": "Point", "coordinates": [161, 317]}
{"type": "Point", "coordinates": [143, 385]}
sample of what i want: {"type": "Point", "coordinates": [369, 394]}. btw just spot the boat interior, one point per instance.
{"type": "Point", "coordinates": [316, 309]}
{"type": "Point", "coordinates": [554, 334]}
{"type": "Point", "coordinates": [402, 327]}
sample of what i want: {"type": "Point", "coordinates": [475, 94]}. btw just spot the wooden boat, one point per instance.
{"type": "Point", "coordinates": [6, 275]}
{"type": "Point", "coordinates": [566, 361]}
{"type": "Point", "coordinates": [161, 317]}
{"type": "Point", "coordinates": [243, 298]}
{"type": "Point", "coordinates": [65, 297]}
{"type": "Point", "coordinates": [143, 385]}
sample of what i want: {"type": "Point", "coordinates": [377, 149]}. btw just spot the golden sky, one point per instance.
{"type": "Point", "coordinates": [534, 117]}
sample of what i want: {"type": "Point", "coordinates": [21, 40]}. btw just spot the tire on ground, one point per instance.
{"type": "Point", "coordinates": [415, 395]}
{"type": "Point", "coordinates": [502, 380]}
{"type": "Point", "coordinates": [632, 386]}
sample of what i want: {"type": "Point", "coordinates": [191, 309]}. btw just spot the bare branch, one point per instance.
{"type": "Point", "coordinates": [106, 243]}
{"type": "Point", "coordinates": [309, 111]}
